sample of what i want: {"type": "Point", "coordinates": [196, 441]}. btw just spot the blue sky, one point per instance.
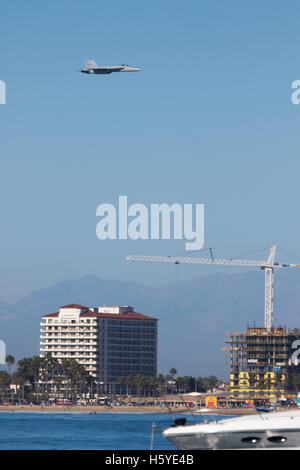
{"type": "Point", "coordinates": [208, 120]}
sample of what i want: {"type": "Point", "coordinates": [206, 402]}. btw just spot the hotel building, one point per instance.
{"type": "Point", "coordinates": [110, 342]}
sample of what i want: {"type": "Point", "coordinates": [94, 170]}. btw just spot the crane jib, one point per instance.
{"type": "Point", "coordinates": [268, 266]}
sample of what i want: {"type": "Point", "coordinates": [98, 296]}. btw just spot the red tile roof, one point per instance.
{"type": "Point", "coordinates": [119, 316]}
{"type": "Point", "coordinates": [89, 313]}
{"type": "Point", "coordinates": [51, 315]}
{"type": "Point", "coordinates": [129, 315]}
{"type": "Point", "coordinates": [74, 306]}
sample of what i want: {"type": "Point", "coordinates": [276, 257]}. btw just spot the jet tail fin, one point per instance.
{"type": "Point", "coordinates": [90, 64]}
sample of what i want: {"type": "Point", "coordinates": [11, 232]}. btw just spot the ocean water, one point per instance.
{"type": "Point", "coordinates": [82, 431]}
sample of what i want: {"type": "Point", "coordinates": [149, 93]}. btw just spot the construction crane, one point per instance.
{"type": "Point", "coordinates": [268, 266]}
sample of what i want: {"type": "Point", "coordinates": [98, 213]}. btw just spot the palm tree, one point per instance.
{"type": "Point", "coordinates": [10, 360]}
{"type": "Point", "coordinates": [152, 382]}
{"type": "Point", "coordinates": [57, 384]}
{"type": "Point", "coordinates": [129, 382]}
{"type": "Point", "coordinates": [180, 384]}
{"type": "Point", "coordinates": [186, 383]}
{"type": "Point", "coordinates": [173, 372]}
{"type": "Point", "coordinates": [20, 382]}
{"type": "Point", "coordinates": [168, 382]}
{"type": "Point", "coordinates": [161, 383]}
{"type": "Point", "coordinates": [5, 380]}
{"type": "Point", "coordinates": [213, 381]}
{"type": "Point", "coordinates": [121, 381]}
{"type": "Point", "coordinates": [140, 383]}
{"type": "Point", "coordinates": [76, 378]}
{"type": "Point", "coordinates": [201, 384]}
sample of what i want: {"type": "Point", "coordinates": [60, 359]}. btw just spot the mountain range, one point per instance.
{"type": "Point", "coordinates": [194, 315]}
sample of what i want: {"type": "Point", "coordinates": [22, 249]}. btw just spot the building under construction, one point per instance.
{"type": "Point", "coordinates": [259, 361]}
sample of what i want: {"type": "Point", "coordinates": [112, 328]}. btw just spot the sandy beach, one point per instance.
{"type": "Point", "coordinates": [118, 409]}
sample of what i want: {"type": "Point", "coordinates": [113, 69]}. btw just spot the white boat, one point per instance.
{"type": "Point", "coordinates": [274, 430]}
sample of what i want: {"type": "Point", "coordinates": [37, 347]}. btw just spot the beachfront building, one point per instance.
{"type": "Point", "coordinates": [260, 361]}
{"type": "Point", "coordinates": [110, 342]}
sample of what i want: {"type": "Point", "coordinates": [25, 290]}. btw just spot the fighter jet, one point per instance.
{"type": "Point", "coordinates": [92, 67]}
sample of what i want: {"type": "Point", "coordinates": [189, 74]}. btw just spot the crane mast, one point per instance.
{"type": "Point", "coordinates": [268, 266]}
{"type": "Point", "coordinates": [269, 289]}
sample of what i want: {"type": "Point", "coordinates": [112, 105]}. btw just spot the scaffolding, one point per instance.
{"type": "Point", "coordinates": [258, 360]}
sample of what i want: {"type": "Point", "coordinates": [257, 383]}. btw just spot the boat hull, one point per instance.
{"type": "Point", "coordinates": [234, 440]}
{"type": "Point", "coordinates": [278, 431]}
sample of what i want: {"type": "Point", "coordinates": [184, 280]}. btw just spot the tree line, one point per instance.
{"type": "Point", "coordinates": [37, 378]}
{"type": "Point", "coordinates": [40, 378]}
